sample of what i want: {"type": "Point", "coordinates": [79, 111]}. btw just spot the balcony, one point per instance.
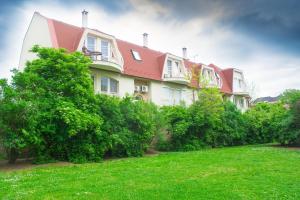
{"type": "Point", "coordinates": [176, 78]}
{"type": "Point", "coordinates": [240, 89]}
{"type": "Point", "coordinates": [101, 62]}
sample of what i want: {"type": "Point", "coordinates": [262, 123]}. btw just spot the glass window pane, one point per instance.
{"type": "Point", "coordinates": [91, 43]}
{"type": "Point", "coordinates": [104, 84]}
{"type": "Point", "coordinates": [93, 80]}
{"type": "Point", "coordinates": [113, 86]}
{"type": "Point", "coordinates": [104, 50]}
{"type": "Point", "coordinates": [177, 96]}
{"type": "Point", "coordinates": [136, 55]}
{"type": "Point", "coordinates": [169, 64]}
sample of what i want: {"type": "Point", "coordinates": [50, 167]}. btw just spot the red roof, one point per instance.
{"type": "Point", "coordinates": [65, 35]}
{"type": "Point", "coordinates": [150, 67]}
{"type": "Point", "coordinates": [227, 84]}
{"type": "Point", "coordinates": [229, 77]}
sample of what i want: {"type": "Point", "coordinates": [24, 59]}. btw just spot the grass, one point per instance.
{"type": "Point", "coordinates": [249, 172]}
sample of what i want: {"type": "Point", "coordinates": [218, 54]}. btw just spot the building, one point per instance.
{"type": "Point", "coordinates": [120, 68]}
{"type": "Point", "coordinates": [267, 99]}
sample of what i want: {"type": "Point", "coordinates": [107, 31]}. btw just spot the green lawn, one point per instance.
{"type": "Point", "coordinates": [251, 172]}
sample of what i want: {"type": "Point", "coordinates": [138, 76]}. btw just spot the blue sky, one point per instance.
{"type": "Point", "coordinates": [261, 37]}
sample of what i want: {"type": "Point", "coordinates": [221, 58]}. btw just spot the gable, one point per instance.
{"type": "Point", "coordinates": [64, 35]}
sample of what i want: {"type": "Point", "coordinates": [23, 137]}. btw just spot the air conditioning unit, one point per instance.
{"type": "Point", "coordinates": [144, 88]}
{"type": "Point", "coordinates": [137, 88]}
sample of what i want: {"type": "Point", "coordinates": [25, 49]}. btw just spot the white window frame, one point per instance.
{"type": "Point", "coordinates": [108, 56]}
{"type": "Point", "coordinates": [169, 67]}
{"type": "Point", "coordinates": [95, 43]}
{"type": "Point", "coordinates": [109, 79]}
{"type": "Point", "coordinates": [171, 97]}
{"type": "Point", "coordinates": [136, 55]}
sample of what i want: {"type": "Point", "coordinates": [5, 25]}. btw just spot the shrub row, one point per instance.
{"type": "Point", "coordinates": [51, 110]}
{"type": "Point", "coordinates": [211, 122]}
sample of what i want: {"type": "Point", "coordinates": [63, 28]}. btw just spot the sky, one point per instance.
{"type": "Point", "coordinates": [260, 37]}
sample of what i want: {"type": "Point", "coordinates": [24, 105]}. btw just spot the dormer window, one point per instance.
{"type": "Point", "coordinates": [91, 43]}
{"type": "Point", "coordinates": [136, 55]}
{"type": "Point", "coordinates": [239, 84]}
{"type": "Point", "coordinates": [208, 75]}
{"type": "Point", "coordinates": [99, 48]}
{"type": "Point", "coordinates": [219, 80]}
{"type": "Point", "coordinates": [105, 49]}
{"type": "Point", "coordinates": [212, 77]}
{"type": "Point", "coordinates": [169, 65]}
{"type": "Point", "coordinates": [173, 68]}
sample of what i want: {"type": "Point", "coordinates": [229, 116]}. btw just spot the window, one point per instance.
{"type": "Point", "coordinates": [177, 96]}
{"type": "Point", "coordinates": [241, 102]}
{"type": "Point", "coordinates": [105, 49]}
{"type": "Point", "coordinates": [177, 67]}
{"type": "Point", "coordinates": [104, 84]}
{"type": "Point", "coordinates": [109, 85]}
{"type": "Point", "coordinates": [219, 81]}
{"type": "Point", "coordinates": [208, 75]}
{"type": "Point", "coordinates": [172, 96]}
{"type": "Point", "coordinates": [91, 43]}
{"type": "Point", "coordinates": [136, 55]}
{"type": "Point", "coordinates": [113, 86]}
{"type": "Point", "coordinates": [169, 65]}
{"type": "Point", "coordinates": [93, 80]}
{"type": "Point", "coordinates": [240, 83]}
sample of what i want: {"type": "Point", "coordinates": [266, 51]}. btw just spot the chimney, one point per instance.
{"type": "Point", "coordinates": [145, 39]}
{"type": "Point", "coordinates": [184, 53]}
{"type": "Point", "coordinates": [84, 18]}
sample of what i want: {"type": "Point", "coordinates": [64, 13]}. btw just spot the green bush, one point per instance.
{"type": "Point", "coordinates": [129, 125]}
{"type": "Point", "coordinates": [17, 122]}
{"type": "Point", "coordinates": [232, 131]}
{"type": "Point", "coordinates": [177, 120]}
{"type": "Point", "coordinates": [207, 122]}
{"type": "Point", "coordinates": [290, 134]}
{"type": "Point", "coordinates": [53, 104]}
{"type": "Point", "coordinates": [51, 110]}
{"type": "Point", "coordinates": [264, 121]}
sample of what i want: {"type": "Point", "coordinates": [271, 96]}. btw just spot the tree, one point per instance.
{"type": "Point", "coordinates": [290, 134]}
{"type": "Point", "coordinates": [17, 121]}
{"type": "Point", "coordinates": [290, 96]}
{"type": "Point", "coordinates": [206, 114]}
{"type": "Point", "coordinates": [56, 91]}
{"type": "Point", "coordinates": [264, 122]}
{"type": "Point", "coordinates": [232, 131]}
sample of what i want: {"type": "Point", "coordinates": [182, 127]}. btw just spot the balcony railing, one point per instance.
{"type": "Point", "coordinates": [177, 78]}
{"type": "Point", "coordinates": [99, 61]}
{"type": "Point", "coordinates": [174, 76]}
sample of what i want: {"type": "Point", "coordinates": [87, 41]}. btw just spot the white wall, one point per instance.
{"type": "Point", "coordinates": [159, 96]}
{"type": "Point", "coordinates": [37, 33]}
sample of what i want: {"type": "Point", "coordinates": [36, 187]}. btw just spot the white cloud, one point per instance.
{"type": "Point", "coordinates": [206, 41]}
